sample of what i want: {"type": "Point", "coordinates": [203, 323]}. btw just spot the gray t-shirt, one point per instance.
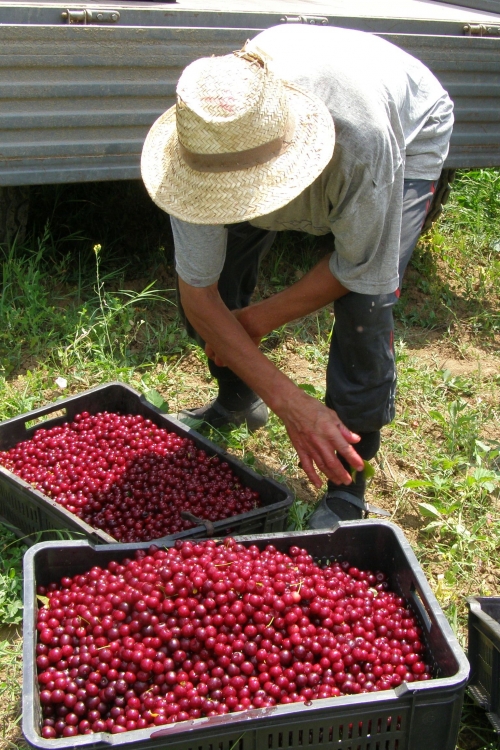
{"type": "Point", "coordinates": [393, 120]}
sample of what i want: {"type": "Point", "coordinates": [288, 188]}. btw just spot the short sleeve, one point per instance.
{"type": "Point", "coordinates": [200, 251]}
{"type": "Point", "coordinates": [367, 234]}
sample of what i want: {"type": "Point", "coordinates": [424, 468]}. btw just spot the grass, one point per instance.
{"type": "Point", "coordinates": [89, 299]}
{"type": "Point", "coordinates": [10, 680]}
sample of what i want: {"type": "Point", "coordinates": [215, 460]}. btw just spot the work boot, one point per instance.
{"type": "Point", "coordinates": [347, 502]}
{"type": "Point", "coordinates": [235, 404]}
{"type": "Point", "coordinates": [214, 414]}
{"type": "Point", "coordinates": [339, 505]}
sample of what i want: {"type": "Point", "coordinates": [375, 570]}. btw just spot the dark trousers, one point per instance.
{"type": "Point", "coordinates": [361, 372]}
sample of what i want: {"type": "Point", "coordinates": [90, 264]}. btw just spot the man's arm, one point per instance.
{"type": "Point", "coordinates": [315, 290]}
{"type": "Point", "coordinates": [315, 431]}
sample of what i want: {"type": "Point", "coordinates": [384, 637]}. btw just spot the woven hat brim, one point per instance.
{"type": "Point", "coordinates": [245, 194]}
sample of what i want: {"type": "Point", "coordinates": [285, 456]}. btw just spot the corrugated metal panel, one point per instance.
{"type": "Point", "coordinates": [76, 102]}
{"type": "Point", "coordinates": [396, 16]}
{"type": "Point", "coordinates": [469, 69]}
{"type": "Point", "coordinates": [490, 6]}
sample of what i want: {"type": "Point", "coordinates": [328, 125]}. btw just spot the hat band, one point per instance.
{"type": "Point", "coordinates": [232, 161]}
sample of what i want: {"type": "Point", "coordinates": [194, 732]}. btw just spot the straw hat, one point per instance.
{"type": "Point", "coordinates": [239, 143]}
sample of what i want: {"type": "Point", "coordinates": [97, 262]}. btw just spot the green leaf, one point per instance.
{"type": "Point", "coordinates": [489, 486]}
{"type": "Point", "coordinates": [191, 422]}
{"type": "Point", "coordinates": [411, 483]}
{"type": "Point", "coordinates": [434, 525]}
{"type": "Point", "coordinates": [450, 577]}
{"type": "Point", "coordinates": [446, 375]}
{"type": "Point", "coordinates": [427, 509]}
{"type": "Point", "coordinates": [437, 416]}
{"type": "Point", "coordinates": [483, 446]}
{"type": "Point", "coordinates": [453, 507]}
{"type": "Point", "coordinates": [157, 400]}
{"type": "Point", "coordinates": [249, 458]}
{"type": "Point", "coordinates": [368, 472]}
{"type": "Point", "coordinates": [308, 388]}
{"type": "Point", "coordinates": [484, 475]}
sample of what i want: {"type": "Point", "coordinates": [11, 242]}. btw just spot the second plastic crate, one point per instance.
{"type": "Point", "coordinates": [484, 655]}
{"type": "Point", "coordinates": [414, 716]}
{"type": "Point", "coordinates": [29, 511]}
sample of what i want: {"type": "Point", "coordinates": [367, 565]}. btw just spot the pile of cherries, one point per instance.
{"type": "Point", "coordinates": [125, 475]}
{"type": "Point", "coordinates": [204, 629]}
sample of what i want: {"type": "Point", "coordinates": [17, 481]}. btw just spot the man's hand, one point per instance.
{"type": "Point", "coordinates": [317, 435]}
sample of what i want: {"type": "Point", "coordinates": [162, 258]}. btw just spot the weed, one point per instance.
{"type": "Point", "coordinates": [475, 731]}
{"type": "Point", "coordinates": [107, 326]}
{"type": "Point", "coordinates": [466, 243]}
{"type": "Point", "coordinates": [11, 564]}
{"type": "Point", "coordinates": [300, 512]}
{"type": "Point", "coordinates": [10, 681]}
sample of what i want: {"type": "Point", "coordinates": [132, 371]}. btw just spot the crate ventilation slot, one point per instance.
{"type": "Point", "coordinates": [370, 734]}
{"type": "Point", "coordinates": [40, 421]}
{"type": "Point", "coordinates": [231, 744]}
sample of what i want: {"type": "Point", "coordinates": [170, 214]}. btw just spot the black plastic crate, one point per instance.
{"type": "Point", "coordinates": [413, 716]}
{"type": "Point", "coordinates": [30, 511]}
{"type": "Point", "coordinates": [484, 655]}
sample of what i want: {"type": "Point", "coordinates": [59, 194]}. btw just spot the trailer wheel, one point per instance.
{"type": "Point", "coordinates": [14, 205]}
{"type": "Point", "coordinates": [443, 190]}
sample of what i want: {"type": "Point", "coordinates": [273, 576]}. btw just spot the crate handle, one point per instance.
{"type": "Point", "coordinates": [44, 415]}
{"type": "Point", "coordinates": [420, 606]}
{"type": "Point", "coordinates": [187, 516]}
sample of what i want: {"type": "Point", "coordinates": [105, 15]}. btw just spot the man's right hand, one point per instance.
{"type": "Point", "coordinates": [318, 435]}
